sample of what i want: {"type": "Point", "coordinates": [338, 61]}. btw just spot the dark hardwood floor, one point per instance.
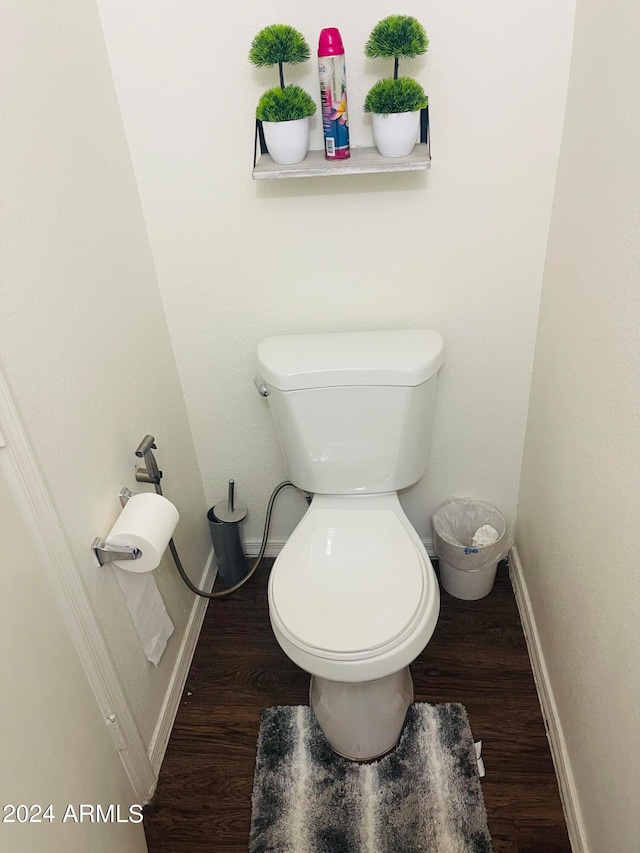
{"type": "Point", "coordinates": [476, 656]}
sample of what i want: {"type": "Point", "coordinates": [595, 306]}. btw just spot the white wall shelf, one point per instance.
{"type": "Point", "coordinates": [363, 161]}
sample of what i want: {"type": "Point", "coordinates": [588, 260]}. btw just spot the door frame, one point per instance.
{"type": "Point", "coordinates": [19, 466]}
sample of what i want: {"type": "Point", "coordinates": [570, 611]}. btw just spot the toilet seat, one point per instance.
{"type": "Point", "coordinates": [350, 584]}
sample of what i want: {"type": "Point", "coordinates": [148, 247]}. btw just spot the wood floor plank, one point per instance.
{"type": "Point", "coordinates": [540, 838]}
{"type": "Point", "coordinates": [504, 838]}
{"type": "Point", "coordinates": [476, 656]}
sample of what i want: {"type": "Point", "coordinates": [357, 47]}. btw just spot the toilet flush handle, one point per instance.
{"type": "Point", "coordinates": [258, 381]}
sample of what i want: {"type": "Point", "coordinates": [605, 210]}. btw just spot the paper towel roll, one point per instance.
{"type": "Point", "coordinates": [147, 522]}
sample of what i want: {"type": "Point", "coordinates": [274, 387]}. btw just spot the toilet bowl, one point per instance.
{"type": "Point", "coordinates": [353, 598]}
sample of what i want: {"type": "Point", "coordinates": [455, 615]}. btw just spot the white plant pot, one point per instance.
{"type": "Point", "coordinates": [287, 141]}
{"type": "Point", "coordinates": [396, 134]}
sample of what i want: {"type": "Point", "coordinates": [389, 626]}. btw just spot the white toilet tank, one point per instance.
{"type": "Point", "coordinates": [352, 411]}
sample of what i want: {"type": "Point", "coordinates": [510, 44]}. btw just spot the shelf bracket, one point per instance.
{"type": "Point", "coordinates": [259, 143]}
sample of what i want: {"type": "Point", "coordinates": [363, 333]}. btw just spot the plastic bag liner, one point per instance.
{"type": "Point", "coordinates": [454, 525]}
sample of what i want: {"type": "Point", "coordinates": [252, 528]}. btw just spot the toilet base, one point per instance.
{"type": "Point", "coordinates": [362, 721]}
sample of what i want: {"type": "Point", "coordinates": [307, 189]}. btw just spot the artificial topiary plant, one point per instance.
{"type": "Point", "coordinates": [402, 95]}
{"type": "Point", "coordinates": [275, 45]}
{"type": "Point", "coordinates": [396, 37]}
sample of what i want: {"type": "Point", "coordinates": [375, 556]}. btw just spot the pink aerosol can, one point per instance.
{"type": "Point", "coordinates": [333, 94]}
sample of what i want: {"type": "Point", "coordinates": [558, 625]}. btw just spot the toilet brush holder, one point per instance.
{"type": "Point", "coordinates": [225, 524]}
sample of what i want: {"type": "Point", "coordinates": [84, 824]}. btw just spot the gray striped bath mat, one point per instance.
{"type": "Point", "coordinates": [424, 797]}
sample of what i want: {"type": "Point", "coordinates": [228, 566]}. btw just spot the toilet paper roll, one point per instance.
{"type": "Point", "coordinates": [147, 522]}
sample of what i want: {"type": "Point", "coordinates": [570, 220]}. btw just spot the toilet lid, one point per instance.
{"type": "Point", "coordinates": [347, 581]}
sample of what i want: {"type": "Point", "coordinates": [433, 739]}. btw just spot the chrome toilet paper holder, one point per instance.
{"type": "Point", "coordinates": [106, 554]}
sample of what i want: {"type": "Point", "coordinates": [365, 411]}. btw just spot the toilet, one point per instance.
{"type": "Point", "coordinates": [353, 598]}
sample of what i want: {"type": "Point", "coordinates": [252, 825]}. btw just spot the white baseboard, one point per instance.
{"type": "Point", "coordinates": [431, 549]}
{"type": "Point", "coordinates": [166, 719]}
{"type": "Point", "coordinates": [274, 546]}
{"type": "Point", "coordinates": [566, 782]}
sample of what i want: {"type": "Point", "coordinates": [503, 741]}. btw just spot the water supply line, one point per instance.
{"type": "Point", "coordinates": [151, 474]}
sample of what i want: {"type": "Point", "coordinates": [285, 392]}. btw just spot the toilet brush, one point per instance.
{"type": "Point", "coordinates": [225, 519]}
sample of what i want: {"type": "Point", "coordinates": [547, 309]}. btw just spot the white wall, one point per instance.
{"type": "Point", "coordinates": [55, 747]}
{"type": "Point", "coordinates": [460, 249]}
{"type": "Point", "coordinates": [579, 511]}
{"type": "Point", "coordinates": [84, 342]}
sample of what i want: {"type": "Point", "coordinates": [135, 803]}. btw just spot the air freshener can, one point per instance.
{"type": "Point", "coordinates": [333, 94]}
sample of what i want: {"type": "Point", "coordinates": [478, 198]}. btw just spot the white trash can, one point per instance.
{"type": "Point", "coordinates": [461, 527]}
